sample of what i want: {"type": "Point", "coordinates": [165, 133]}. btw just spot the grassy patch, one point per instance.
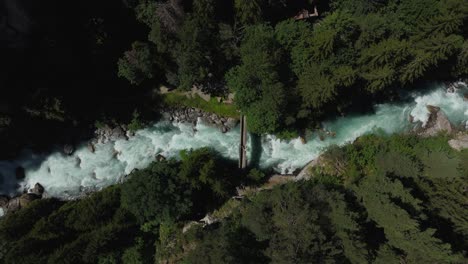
{"type": "Point", "coordinates": [213, 106]}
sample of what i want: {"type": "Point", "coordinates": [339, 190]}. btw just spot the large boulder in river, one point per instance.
{"type": "Point", "coordinates": [38, 189]}
{"type": "Point", "coordinates": [437, 122]}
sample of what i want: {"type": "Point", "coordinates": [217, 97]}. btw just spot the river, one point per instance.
{"type": "Point", "coordinates": [68, 176]}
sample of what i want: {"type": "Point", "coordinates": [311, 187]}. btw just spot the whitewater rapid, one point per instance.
{"type": "Point", "coordinates": [68, 176]}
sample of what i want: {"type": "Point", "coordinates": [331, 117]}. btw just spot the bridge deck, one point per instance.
{"type": "Point", "coordinates": [243, 143]}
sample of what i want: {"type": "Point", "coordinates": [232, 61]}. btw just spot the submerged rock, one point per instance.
{"type": "Point", "coordinates": [91, 147]}
{"type": "Point", "coordinates": [68, 149]}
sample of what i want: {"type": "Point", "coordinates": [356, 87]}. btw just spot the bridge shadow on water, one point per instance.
{"type": "Point", "coordinates": [255, 151]}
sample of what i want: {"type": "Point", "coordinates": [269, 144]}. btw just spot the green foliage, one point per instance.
{"type": "Point", "coordinates": [316, 87]}
{"type": "Point", "coordinates": [402, 231]}
{"type": "Point", "coordinates": [259, 91]}
{"type": "Point", "coordinates": [248, 12]}
{"type": "Point", "coordinates": [294, 221]}
{"type": "Point", "coordinates": [156, 193]}
{"type": "Point", "coordinates": [84, 231]}
{"type": "Point", "coordinates": [15, 226]}
{"type": "Point", "coordinates": [136, 123]}
{"type": "Point", "coordinates": [232, 243]}
{"type": "Point", "coordinates": [205, 171]}
{"type": "Point", "coordinates": [137, 64]}
{"type": "Point", "coordinates": [256, 175]}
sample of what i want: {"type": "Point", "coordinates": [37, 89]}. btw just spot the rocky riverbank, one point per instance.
{"type": "Point", "coordinates": [106, 133]}
{"type": "Point", "coordinates": [13, 204]}
{"type": "Point", "coordinates": [193, 116]}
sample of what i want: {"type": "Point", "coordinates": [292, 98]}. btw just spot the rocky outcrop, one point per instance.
{"type": "Point", "coordinates": [160, 158]}
{"type": "Point", "coordinates": [460, 142]}
{"type": "Point", "coordinates": [38, 189]}
{"type": "Point", "coordinates": [437, 122]}
{"type": "Point", "coordinates": [106, 134]}
{"type": "Point", "coordinates": [306, 172]}
{"type": "Point", "coordinates": [27, 198]}
{"type": "Point", "coordinates": [193, 115]}
{"type": "Point", "coordinates": [16, 203]}
{"type": "Point", "coordinates": [209, 220]}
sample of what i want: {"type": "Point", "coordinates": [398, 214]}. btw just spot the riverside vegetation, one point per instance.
{"type": "Point", "coordinates": [382, 199]}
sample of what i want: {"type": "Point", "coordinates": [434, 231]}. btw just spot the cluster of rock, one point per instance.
{"type": "Point", "coordinates": [14, 204]}
{"type": "Point", "coordinates": [103, 135]}
{"type": "Point", "coordinates": [106, 134]}
{"type": "Point", "coordinates": [193, 116]}
{"type": "Point", "coordinates": [190, 115]}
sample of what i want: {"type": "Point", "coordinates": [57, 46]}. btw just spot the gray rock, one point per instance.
{"type": "Point", "coordinates": [460, 142]}
{"type": "Point", "coordinates": [117, 133]}
{"type": "Point", "coordinates": [13, 205]}
{"type": "Point", "coordinates": [231, 123]}
{"type": "Point", "coordinates": [129, 134]}
{"type": "Point", "coordinates": [68, 149]}
{"type": "Point", "coordinates": [209, 220]}
{"type": "Point", "coordinates": [160, 158]}
{"type": "Point", "coordinates": [437, 122]}
{"type": "Point", "coordinates": [38, 189]}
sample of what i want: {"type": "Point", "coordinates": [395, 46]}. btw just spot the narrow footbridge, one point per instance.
{"type": "Point", "coordinates": [243, 143]}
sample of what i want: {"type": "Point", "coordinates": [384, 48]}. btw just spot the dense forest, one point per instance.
{"type": "Point", "coordinates": [67, 68]}
{"type": "Point", "coordinates": [100, 61]}
{"type": "Point", "coordinates": [383, 199]}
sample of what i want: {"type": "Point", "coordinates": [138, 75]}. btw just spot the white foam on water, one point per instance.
{"type": "Point", "coordinates": [67, 176]}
